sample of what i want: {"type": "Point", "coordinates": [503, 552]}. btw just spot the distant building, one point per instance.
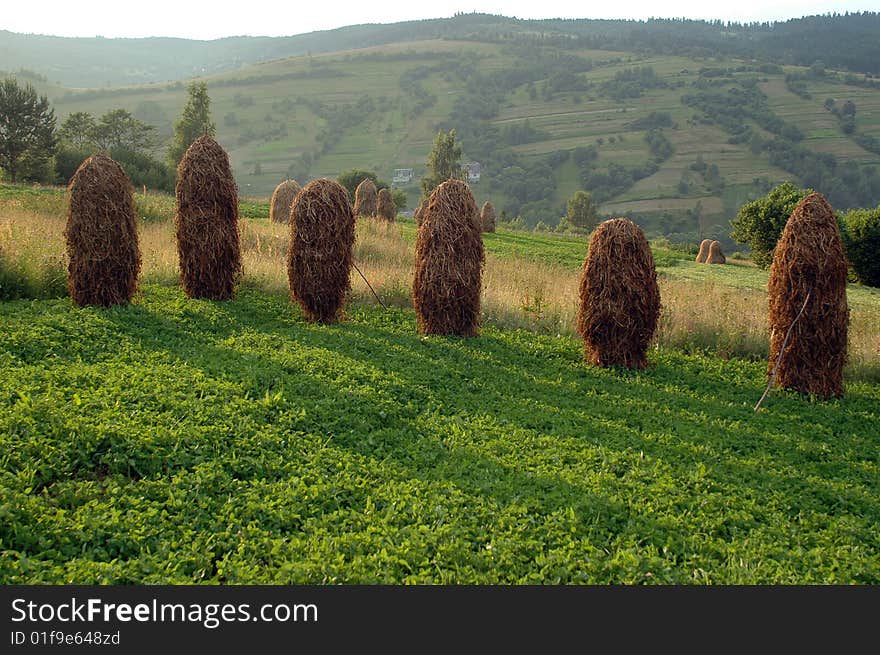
{"type": "Point", "coordinates": [473, 170]}
{"type": "Point", "coordinates": [402, 176]}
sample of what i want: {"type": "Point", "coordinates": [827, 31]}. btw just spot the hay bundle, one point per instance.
{"type": "Point", "coordinates": [619, 296]}
{"type": "Point", "coordinates": [809, 258]}
{"type": "Point", "coordinates": [449, 263]}
{"type": "Point", "coordinates": [487, 217]}
{"type": "Point", "coordinates": [319, 257]}
{"type": "Point", "coordinates": [419, 213]}
{"type": "Point", "coordinates": [385, 207]}
{"type": "Point", "coordinates": [704, 251]}
{"type": "Point", "coordinates": [206, 222]}
{"type": "Point", "coordinates": [282, 199]}
{"type": "Point", "coordinates": [101, 234]}
{"type": "Point", "coordinates": [716, 255]}
{"type": "Point", "coordinates": [365, 198]}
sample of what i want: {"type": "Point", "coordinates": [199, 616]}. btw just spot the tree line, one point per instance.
{"type": "Point", "coordinates": [34, 148]}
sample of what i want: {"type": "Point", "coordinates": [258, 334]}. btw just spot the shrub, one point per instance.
{"type": "Point", "coordinates": [760, 222]}
{"type": "Point", "coordinates": [861, 236]}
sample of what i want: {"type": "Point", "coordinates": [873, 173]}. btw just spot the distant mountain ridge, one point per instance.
{"type": "Point", "coordinates": [98, 61]}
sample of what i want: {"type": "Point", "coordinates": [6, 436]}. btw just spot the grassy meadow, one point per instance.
{"type": "Point", "coordinates": [180, 441]}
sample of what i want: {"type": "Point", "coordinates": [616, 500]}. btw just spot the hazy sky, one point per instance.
{"type": "Point", "coordinates": [210, 20]}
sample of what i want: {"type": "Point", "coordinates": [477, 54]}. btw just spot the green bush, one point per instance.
{"type": "Point", "coordinates": [759, 223]}
{"type": "Point", "coordinates": [860, 229]}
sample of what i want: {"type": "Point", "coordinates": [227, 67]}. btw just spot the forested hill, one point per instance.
{"type": "Point", "coordinates": [848, 41]}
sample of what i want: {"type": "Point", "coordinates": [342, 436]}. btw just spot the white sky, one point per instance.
{"type": "Point", "coordinates": [210, 20]}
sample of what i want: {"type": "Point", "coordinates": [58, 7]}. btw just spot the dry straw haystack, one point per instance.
{"type": "Point", "coordinates": [282, 199]}
{"type": "Point", "coordinates": [716, 255]}
{"type": "Point", "coordinates": [365, 198]}
{"type": "Point", "coordinates": [809, 259]}
{"type": "Point", "coordinates": [619, 296]}
{"type": "Point", "coordinates": [419, 213]}
{"type": "Point", "coordinates": [101, 234]}
{"type": "Point", "coordinates": [704, 251]}
{"type": "Point", "coordinates": [449, 263]}
{"type": "Point", "coordinates": [206, 222]}
{"type": "Point", "coordinates": [385, 207]}
{"type": "Point", "coordinates": [487, 217]}
{"type": "Point", "coordinates": [319, 257]}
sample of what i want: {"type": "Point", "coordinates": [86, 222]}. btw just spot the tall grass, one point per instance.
{"type": "Point", "coordinates": [720, 310]}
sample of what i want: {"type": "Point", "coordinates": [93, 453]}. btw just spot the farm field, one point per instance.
{"type": "Point", "coordinates": [379, 108]}
{"type": "Point", "coordinates": [180, 441]}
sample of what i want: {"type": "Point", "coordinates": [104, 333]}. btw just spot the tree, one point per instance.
{"type": "Point", "coordinates": [119, 129]}
{"type": "Point", "coordinates": [27, 130]}
{"type": "Point", "coordinates": [759, 223]}
{"type": "Point", "coordinates": [860, 229]}
{"type": "Point", "coordinates": [195, 121]}
{"type": "Point", "coordinates": [581, 211]}
{"type": "Point", "coordinates": [351, 178]}
{"type": "Point", "coordinates": [78, 130]}
{"type": "Point", "coordinates": [444, 162]}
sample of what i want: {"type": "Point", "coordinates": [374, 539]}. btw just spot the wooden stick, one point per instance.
{"type": "Point", "coordinates": [782, 350]}
{"type": "Point", "coordinates": [369, 285]}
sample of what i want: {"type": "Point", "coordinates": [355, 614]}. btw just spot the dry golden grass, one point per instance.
{"type": "Point", "coordinates": [697, 314]}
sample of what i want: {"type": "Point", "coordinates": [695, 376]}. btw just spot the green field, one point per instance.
{"type": "Point", "coordinates": [178, 441]}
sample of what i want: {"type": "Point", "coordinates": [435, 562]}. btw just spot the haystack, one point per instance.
{"type": "Point", "coordinates": [619, 296]}
{"type": "Point", "coordinates": [487, 217]}
{"type": "Point", "coordinates": [365, 198]}
{"type": "Point", "coordinates": [101, 234]}
{"type": "Point", "coordinates": [449, 263]}
{"type": "Point", "coordinates": [319, 257]}
{"type": "Point", "coordinates": [282, 199]}
{"type": "Point", "coordinates": [419, 213]}
{"type": "Point", "coordinates": [385, 207]}
{"type": "Point", "coordinates": [206, 222]}
{"type": "Point", "coordinates": [809, 259]}
{"type": "Point", "coordinates": [704, 251]}
{"type": "Point", "coordinates": [716, 255]}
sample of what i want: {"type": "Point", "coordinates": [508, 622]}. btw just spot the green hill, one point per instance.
{"type": "Point", "coordinates": [661, 129]}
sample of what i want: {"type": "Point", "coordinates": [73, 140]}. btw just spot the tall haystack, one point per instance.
{"type": "Point", "coordinates": [419, 213]}
{"type": "Point", "coordinates": [101, 234]}
{"type": "Point", "coordinates": [716, 255]}
{"type": "Point", "coordinates": [704, 251]}
{"type": "Point", "coordinates": [319, 257]}
{"type": "Point", "coordinates": [809, 259]}
{"type": "Point", "coordinates": [282, 199]}
{"type": "Point", "coordinates": [385, 207]}
{"type": "Point", "coordinates": [365, 198]}
{"type": "Point", "coordinates": [619, 297]}
{"type": "Point", "coordinates": [206, 222]}
{"type": "Point", "coordinates": [449, 263]}
{"type": "Point", "coordinates": [487, 217]}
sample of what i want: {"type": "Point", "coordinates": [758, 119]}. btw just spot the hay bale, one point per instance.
{"type": "Point", "coordinates": [487, 217]}
{"type": "Point", "coordinates": [716, 255]}
{"type": "Point", "coordinates": [206, 222]}
{"type": "Point", "coordinates": [365, 198]}
{"type": "Point", "coordinates": [385, 207]}
{"type": "Point", "coordinates": [449, 263]}
{"type": "Point", "coordinates": [704, 251]}
{"type": "Point", "coordinates": [809, 258]}
{"type": "Point", "coordinates": [619, 297]}
{"type": "Point", "coordinates": [319, 256]}
{"type": "Point", "coordinates": [282, 199]}
{"type": "Point", "coordinates": [101, 235]}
